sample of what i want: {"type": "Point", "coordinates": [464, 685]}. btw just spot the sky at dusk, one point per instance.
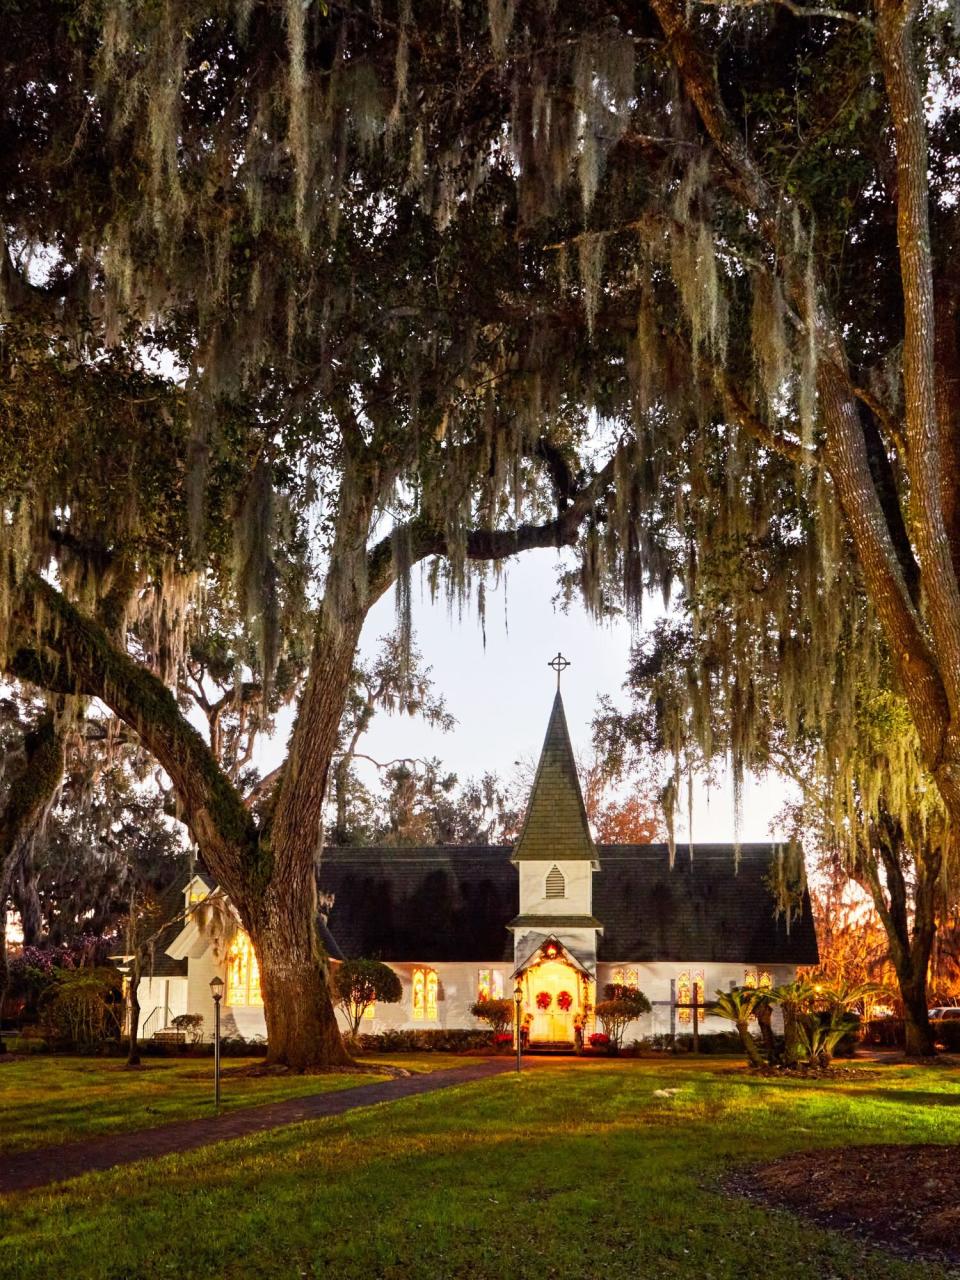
{"type": "Point", "coordinates": [500, 693]}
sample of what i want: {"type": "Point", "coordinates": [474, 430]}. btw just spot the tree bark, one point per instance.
{"type": "Point", "coordinates": [302, 1028]}
{"type": "Point", "coordinates": [910, 949]}
{"type": "Point", "coordinates": [754, 1057]}
{"type": "Point", "coordinates": [133, 1014]}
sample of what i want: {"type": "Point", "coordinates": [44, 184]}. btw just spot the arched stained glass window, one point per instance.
{"type": "Point", "coordinates": [243, 973]}
{"type": "Point", "coordinates": [433, 987]}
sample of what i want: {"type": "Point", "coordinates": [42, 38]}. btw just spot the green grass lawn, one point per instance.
{"type": "Point", "coordinates": [572, 1171]}
{"type": "Point", "coordinates": [51, 1099]}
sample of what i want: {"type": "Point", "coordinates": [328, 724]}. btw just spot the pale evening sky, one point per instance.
{"type": "Point", "coordinates": [501, 694]}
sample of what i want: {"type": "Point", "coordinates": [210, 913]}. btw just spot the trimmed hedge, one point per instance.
{"type": "Point", "coordinates": [710, 1042]}
{"type": "Point", "coordinates": [432, 1041]}
{"type": "Point", "coordinates": [947, 1033]}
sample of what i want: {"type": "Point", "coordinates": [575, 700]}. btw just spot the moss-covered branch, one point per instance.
{"type": "Point", "coordinates": [62, 650]}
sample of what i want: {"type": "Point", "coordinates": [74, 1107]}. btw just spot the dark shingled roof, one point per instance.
{"type": "Point", "coordinates": [448, 903]}
{"type": "Point", "coordinates": [556, 825]}
{"type": "Point", "coordinates": [703, 909]}
{"type": "Point", "coordinates": [421, 904]}
{"type": "Point", "coordinates": [170, 906]}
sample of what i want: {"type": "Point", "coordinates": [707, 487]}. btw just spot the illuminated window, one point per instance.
{"type": "Point", "coordinates": [432, 991]}
{"type": "Point", "coordinates": [761, 978]}
{"type": "Point", "coordinates": [686, 985]}
{"type": "Point", "coordinates": [425, 992]}
{"type": "Point", "coordinates": [197, 892]}
{"type": "Point", "coordinates": [371, 1010]}
{"type": "Point", "coordinates": [556, 886]}
{"type": "Point", "coordinates": [243, 973]}
{"type": "Point", "coordinates": [683, 996]}
{"type": "Point", "coordinates": [626, 978]}
{"type": "Point", "coordinates": [489, 984]}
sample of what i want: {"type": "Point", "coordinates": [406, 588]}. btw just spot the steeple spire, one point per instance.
{"type": "Point", "coordinates": [556, 828]}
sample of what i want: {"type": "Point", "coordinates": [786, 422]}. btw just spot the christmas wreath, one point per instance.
{"type": "Point", "coordinates": [564, 1000]}
{"type": "Point", "coordinates": [543, 999]}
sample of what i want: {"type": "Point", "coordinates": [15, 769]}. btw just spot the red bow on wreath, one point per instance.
{"type": "Point", "coordinates": [564, 1000]}
{"type": "Point", "coordinates": [543, 999]}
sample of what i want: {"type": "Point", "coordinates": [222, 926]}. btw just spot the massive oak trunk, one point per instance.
{"type": "Point", "coordinates": [302, 1029]}
{"type": "Point", "coordinates": [910, 933]}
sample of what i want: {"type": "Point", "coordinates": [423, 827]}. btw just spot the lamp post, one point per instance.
{"type": "Point", "coordinates": [216, 990]}
{"type": "Point", "coordinates": [518, 1001]}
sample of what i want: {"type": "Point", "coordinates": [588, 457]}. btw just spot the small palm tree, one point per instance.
{"type": "Point", "coordinates": [793, 998]}
{"type": "Point", "coordinates": [817, 1039]}
{"type": "Point", "coordinates": [738, 1006]}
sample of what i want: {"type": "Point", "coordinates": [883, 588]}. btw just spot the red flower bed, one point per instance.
{"type": "Point", "coordinates": [599, 1040]}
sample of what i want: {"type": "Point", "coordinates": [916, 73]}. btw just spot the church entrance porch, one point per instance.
{"type": "Point", "coordinates": [556, 997]}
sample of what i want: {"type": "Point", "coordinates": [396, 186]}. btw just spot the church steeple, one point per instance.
{"type": "Point", "coordinates": [555, 828]}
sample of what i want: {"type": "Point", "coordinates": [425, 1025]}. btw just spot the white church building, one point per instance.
{"type": "Point", "coordinates": [557, 912]}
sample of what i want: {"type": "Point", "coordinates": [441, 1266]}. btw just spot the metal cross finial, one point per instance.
{"type": "Point", "coordinates": [559, 664]}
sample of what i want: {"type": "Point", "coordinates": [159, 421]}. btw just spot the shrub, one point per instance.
{"type": "Point", "coordinates": [27, 1044]}
{"type": "Point", "coordinates": [358, 984]}
{"type": "Point", "coordinates": [599, 1040]}
{"type": "Point", "coordinates": [435, 1040]}
{"type": "Point", "coordinates": [499, 1013]}
{"type": "Point", "coordinates": [617, 1014]}
{"type": "Point", "coordinates": [83, 1006]}
{"type": "Point", "coordinates": [884, 1031]}
{"type": "Point", "coordinates": [948, 1034]}
{"type": "Point", "coordinates": [191, 1024]}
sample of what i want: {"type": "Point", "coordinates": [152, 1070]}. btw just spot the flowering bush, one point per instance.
{"type": "Point", "coordinates": [564, 1000]}
{"type": "Point", "coordinates": [599, 1040]}
{"type": "Point", "coordinates": [544, 999]}
{"type": "Point", "coordinates": [503, 1040]}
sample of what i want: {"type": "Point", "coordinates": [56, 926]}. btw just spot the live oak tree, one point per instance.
{"type": "Point", "coordinates": [439, 282]}
{"type": "Point", "coordinates": [844, 767]}
{"type": "Point", "coordinates": [238, 343]}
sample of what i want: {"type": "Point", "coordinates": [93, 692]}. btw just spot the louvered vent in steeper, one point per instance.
{"type": "Point", "coordinates": [555, 883]}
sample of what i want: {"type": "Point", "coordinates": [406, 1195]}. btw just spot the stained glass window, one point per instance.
{"type": "Point", "coordinates": [489, 984]}
{"type": "Point", "coordinates": [432, 992]}
{"type": "Point", "coordinates": [243, 973]}
{"type": "Point", "coordinates": [419, 990]}
{"type": "Point", "coordinates": [683, 996]}
{"type": "Point", "coordinates": [761, 978]}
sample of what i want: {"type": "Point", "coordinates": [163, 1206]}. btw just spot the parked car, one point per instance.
{"type": "Point", "coordinates": [945, 1013]}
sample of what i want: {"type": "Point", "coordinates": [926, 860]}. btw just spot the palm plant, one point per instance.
{"type": "Point", "coordinates": [793, 998]}
{"type": "Point", "coordinates": [817, 1039]}
{"type": "Point", "coordinates": [739, 1005]}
